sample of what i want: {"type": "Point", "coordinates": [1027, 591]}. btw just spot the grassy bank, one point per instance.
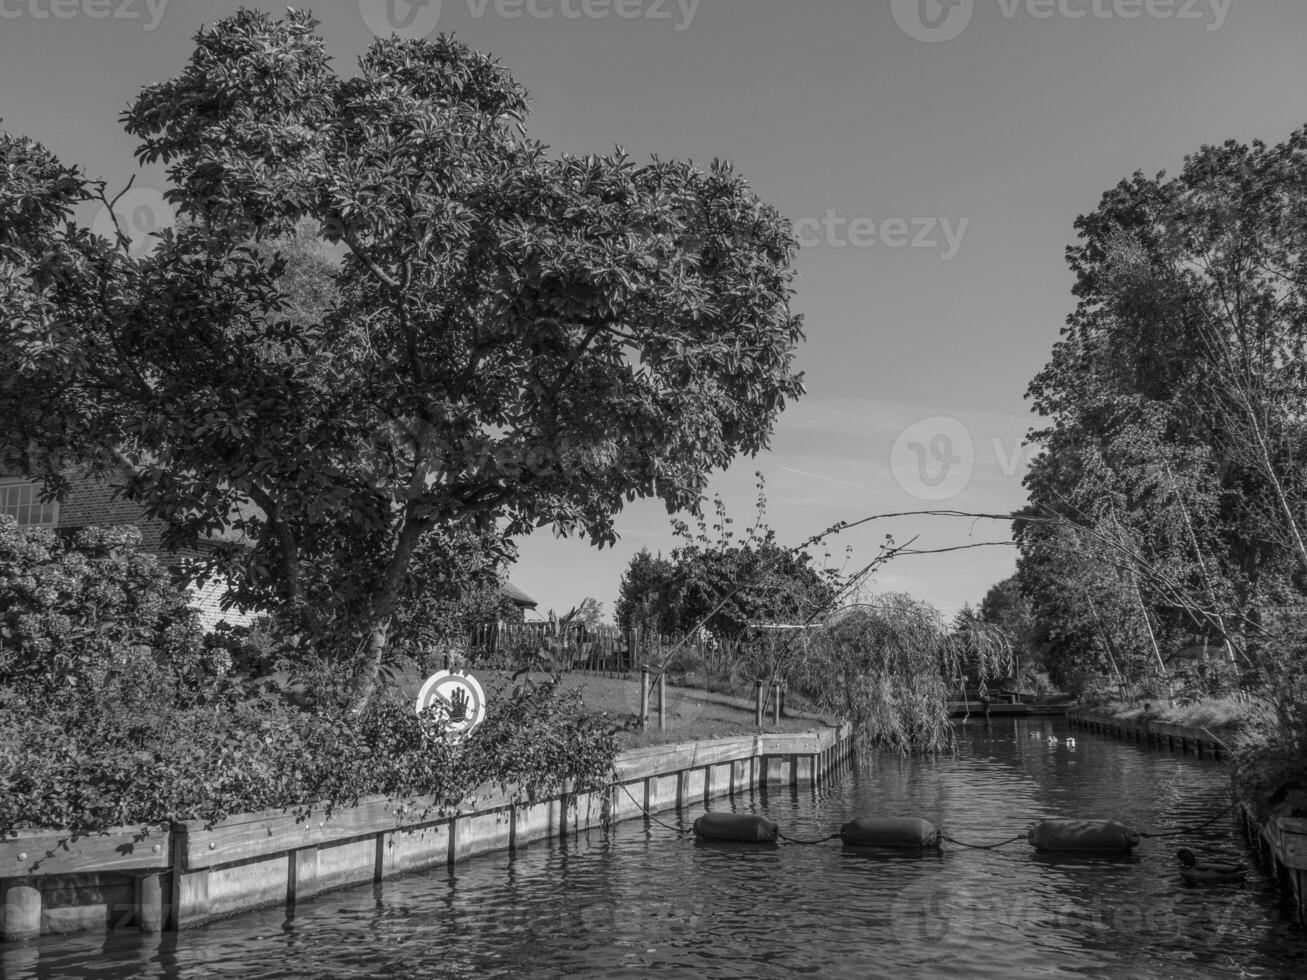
{"type": "Point", "coordinates": [1227, 715]}
{"type": "Point", "coordinates": [692, 713]}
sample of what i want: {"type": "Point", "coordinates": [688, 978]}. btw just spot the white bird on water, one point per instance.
{"type": "Point", "coordinates": [1052, 740]}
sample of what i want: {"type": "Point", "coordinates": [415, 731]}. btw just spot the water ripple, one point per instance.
{"type": "Point", "coordinates": [639, 901]}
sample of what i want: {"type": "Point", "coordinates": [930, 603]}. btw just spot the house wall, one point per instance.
{"type": "Point", "coordinates": [207, 599]}
{"type": "Point", "coordinates": [95, 502]}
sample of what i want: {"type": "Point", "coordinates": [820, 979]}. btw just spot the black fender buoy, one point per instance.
{"type": "Point", "coordinates": [1085, 836]}
{"type": "Point", "coordinates": [901, 832]}
{"type": "Point", "coordinates": [744, 828]}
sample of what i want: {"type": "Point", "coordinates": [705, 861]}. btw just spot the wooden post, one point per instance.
{"type": "Point", "coordinates": [303, 874]}
{"type": "Point", "coordinates": [662, 700]}
{"type": "Point", "coordinates": [776, 708]}
{"type": "Point", "coordinates": [644, 697]}
{"type": "Point", "coordinates": [757, 709]}
{"type": "Point", "coordinates": [190, 889]}
{"type": "Point", "coordinates": [149, 903]}
{"type": "Point", "coordinates": [20, 910]}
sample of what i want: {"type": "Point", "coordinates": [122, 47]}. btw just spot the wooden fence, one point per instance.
{"type": "Point", "coordinates": [604, 650]}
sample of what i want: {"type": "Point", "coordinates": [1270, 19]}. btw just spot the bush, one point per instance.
{"type": "Point", "coordinates": [113, 714]}
{"type": "Point", "coordinates": [87, 766]}
{"type": "Point", "coordinates": [90, 613]}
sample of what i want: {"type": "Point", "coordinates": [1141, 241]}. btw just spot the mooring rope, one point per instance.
{"type": "Point", "coordinates": [661, 823]}
{"type": "Point", "coordinates": [796, 840]}
{"type": "Point", "coordinates": [1191, 830]}
{"type": "Point", "coordinates": [982, 847]}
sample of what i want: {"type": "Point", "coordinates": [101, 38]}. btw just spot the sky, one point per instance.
{"type": "Point", "coordinates": [933, 154]}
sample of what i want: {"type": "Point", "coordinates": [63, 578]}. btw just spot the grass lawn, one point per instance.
{"type": "Point", "coordinates": [691, 714]}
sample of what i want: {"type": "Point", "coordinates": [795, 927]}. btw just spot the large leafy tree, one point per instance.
{"type": "Point", "coordinates": [1175, 434]}
{"type": "Point", "coordinates": [724, 581]}
{"type": "Point", "coordinates": [646, 597]}
{"type": "Point", "coordinates": [513, 339]}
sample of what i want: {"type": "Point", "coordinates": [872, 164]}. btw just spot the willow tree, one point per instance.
{"type": "Point", "coordinates": [515, 339]}
{"type": "Point", "coordinates": [888, 666]}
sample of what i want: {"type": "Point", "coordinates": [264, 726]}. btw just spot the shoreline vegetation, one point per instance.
{"type": "Point", "coordinates": [388, 334]}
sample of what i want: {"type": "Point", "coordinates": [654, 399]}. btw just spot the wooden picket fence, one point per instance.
{"type": "Point", "coordinates": [605, 650]}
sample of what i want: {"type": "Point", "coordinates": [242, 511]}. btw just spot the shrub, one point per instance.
{"type": "Point", "coordinates": [113, 715]}
{"type": "Point", "coordinates": [85, 769]}
{"type": "Point", "coordinates": [90, 613]}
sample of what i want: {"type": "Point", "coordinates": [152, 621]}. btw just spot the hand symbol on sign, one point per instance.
{"type": "Point", "coordinates": [458, 705]}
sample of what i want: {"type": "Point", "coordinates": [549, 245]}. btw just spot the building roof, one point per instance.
{"type": "Point", "coordinates": [517, 596]}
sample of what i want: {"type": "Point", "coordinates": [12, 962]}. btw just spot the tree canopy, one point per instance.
{"type": "Point", "coordinates": [724, 582]}
{"type": "Point", "coordinates": [1174, 439]}
{"type": "Point", "coordinates": [509, 339]}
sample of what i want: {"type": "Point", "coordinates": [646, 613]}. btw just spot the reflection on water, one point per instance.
{"type": "Point", "coordinates": [638, 901]}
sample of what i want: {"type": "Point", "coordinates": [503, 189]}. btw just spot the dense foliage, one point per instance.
{"type": "Point", "coordinates": [117, 711]}
{"type": "Point", "coordinates": [889, 665]}
{"type": "Point", "coordinates": [724, 582]}
{"type": "Point", "coordinates": [510, 339]}
{"type": "Point", "coordinates": [1167, 510]}
{"type": "Point", "coordinates": [77, 616]}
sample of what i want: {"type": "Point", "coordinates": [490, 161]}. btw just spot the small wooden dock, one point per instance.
{"type": "Point", "coordinates": [1004, 706]}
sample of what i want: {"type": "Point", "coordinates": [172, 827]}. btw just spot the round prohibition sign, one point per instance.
{"type": "Point", "coordinates": [456, 699]}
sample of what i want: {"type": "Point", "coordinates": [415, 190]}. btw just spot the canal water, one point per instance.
{"type": "Point", "coordinates": [642, 901]}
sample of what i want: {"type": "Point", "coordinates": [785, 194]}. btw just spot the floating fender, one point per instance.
{"type": "Point", "coordinates": [1104, 836]}
{"type": "Point", "coordinates": [902, 832]}
{"type": "Point", "coordinates": [744, 828]}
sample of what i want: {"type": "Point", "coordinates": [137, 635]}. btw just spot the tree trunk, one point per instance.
{"type": "Point", "coordinates": [365, 680]}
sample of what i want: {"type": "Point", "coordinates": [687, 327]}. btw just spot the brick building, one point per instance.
{"type": "Point", "coordinates": [95, 502]}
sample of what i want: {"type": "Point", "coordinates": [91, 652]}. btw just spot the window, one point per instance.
{"type": "Point", "coordinates": [23, 501]}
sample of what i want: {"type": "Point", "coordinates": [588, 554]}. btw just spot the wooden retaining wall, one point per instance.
{"type": "Point", "coordinates": [183, 875]}
{"type": "Point", "coordinates": [1280, 843]}
{"type": "Point", "coordinates": [1152, 733]}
